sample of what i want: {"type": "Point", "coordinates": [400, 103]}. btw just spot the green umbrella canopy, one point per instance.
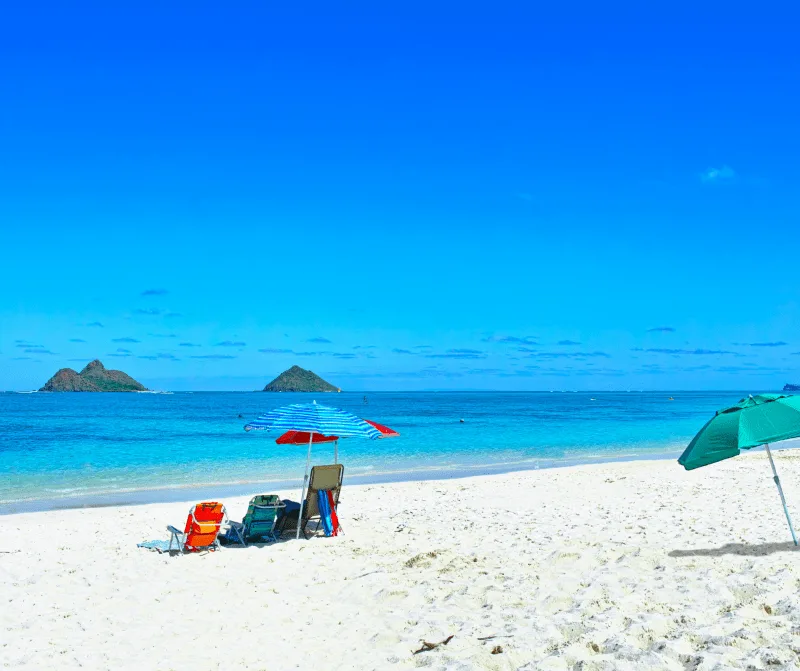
{"type": "Point", "coordinates": [753, 421]}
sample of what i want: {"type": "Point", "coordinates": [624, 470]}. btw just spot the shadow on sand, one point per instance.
{"type": "Point", "coordinates": [742, 549]}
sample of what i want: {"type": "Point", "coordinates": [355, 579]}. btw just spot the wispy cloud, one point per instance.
{"type": "Point", "coordinates": [77, 340]}
{"type": "Point", "coordinates": [25, 358]}
{"type": "Point", "coordinates": [96, 325]}
{"type": "Point", "coordinates": [22, 344]}
{"type": "Point", "coordinates": [319, 340]}
{"type": "Point", "coordinates": [155, 292]}
{"type": "Point", "coordinates": [162, 335]}
{"type": "Point", "coordinates": [512, 340]}
{"type": "Point", "coordinates": [213, 356]}
{"type": "Point", "coordinates": [231, 343]}
{"type": "Point", "coordinates": [662, 329]}
{"type": "Point", "coordinates": [777, 343]}
{"type": "Point", "coordinates": [275, 350]}
{"type": "Point", "coordinates": [120, 353]}
{"type": "Point", "coordinates": [363, 346]}
{"type": "Point", "coordinates": [148, 312]}
{"type": "Point", "coordinates": [458, 354]}
{"type": "Point", "coordinates": [122, 350]}
{"type": "Point", "coordinates": [534, 354]}
{"type": "Point", "coordinates": [160, 355]}
{"type": "Point", "coordinates": [567, 343]}
{"type": "Point", "coordinates": [129, 340]}
{"type": "Point", "coordinates": [718, 175]}
{"type": "Point", "coordinates": [338, 355]}
{"type": "Point", "coordinates": [751, 370]}
{"type": "Point", "coordinates": [38, 350]}
{"type": "Point", "coordinates": [668, 350]}
{"type": "Point", "coordinates": [397, 350]}
{"type": "Point", "coordinates": [188, 344]}
{"type": "Point", "coordinates": [169, 315]}
{"type": "Point", "coordinates": [421, 347]}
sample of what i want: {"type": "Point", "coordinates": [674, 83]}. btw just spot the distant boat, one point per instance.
{"type": "Point", "coordinates": [671, 399]}
{"type": "Point", "coordinates": [33, 391]}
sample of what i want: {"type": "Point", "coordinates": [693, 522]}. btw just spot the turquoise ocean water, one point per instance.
{"type": "Point", "coordinates": [62, 450]}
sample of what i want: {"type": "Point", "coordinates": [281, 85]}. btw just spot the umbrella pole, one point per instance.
{"type": "Point", "coordinates": [335, 451]}
{"type": "Point", "coordinates": [303, 491]}
{"type": "Point", "coordinates": [780, 491]}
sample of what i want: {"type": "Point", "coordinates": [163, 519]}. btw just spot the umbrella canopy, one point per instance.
{"type": "Point", "coordinates": [314, 418]}
{"type": "Point", "coordinates": [303, 437]}
{"type": "Point", "coordinates": [386, 432]}
{"type": "Point", "coordinates": [753, 421]}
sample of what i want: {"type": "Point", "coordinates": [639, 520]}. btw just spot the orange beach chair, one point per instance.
{"type": "Point", "coordinates": [202, 528]}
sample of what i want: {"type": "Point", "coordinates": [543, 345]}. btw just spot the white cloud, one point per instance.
{"type": "Point", "coordinates": [718, 175]}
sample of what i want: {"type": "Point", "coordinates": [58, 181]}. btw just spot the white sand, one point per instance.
{"type": "Point", "coordinates": [631, 566]}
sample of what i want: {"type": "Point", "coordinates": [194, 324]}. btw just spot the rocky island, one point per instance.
{"type": "Point", "coordinates": [791, 387]}
{"type": "Point", "coordinates": [299, 379]}
{"type": "Point", "coordinates": [94, 377]}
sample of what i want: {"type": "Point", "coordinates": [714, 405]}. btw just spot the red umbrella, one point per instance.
{"type": "Point", "coordinates": [385, 430]}
{"type": "Point", "coordinates": [303, 437]}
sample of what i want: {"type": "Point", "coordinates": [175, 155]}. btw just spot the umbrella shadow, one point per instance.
{"type": "Point", "coordinates": [741, 549]}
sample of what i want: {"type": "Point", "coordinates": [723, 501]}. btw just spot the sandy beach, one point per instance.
{"type": "Point", "coordinates": [617, 566]}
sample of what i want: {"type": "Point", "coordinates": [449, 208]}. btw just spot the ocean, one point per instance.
{"type": "Point", "coordinates": [71, 450]}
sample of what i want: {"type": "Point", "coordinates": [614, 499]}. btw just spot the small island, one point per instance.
{"type": "Point", "coordinates": [94, 377]}
{"type": "Point", "coordinates": [791, 387]}
{"type": "Point", "coordinates": [300, 379]}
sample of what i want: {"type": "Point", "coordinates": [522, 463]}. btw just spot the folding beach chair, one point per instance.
{"type": "Point", "coordinates": [260, 521]}
{"type": "Point", "coordinates": [201, 530]}
{"type": "Point", "coordinates": [323, 478]}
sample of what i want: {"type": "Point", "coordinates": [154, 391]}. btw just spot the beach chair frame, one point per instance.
{"type": "Point", "coordinates": [242, 531]}
{"type": "Point", "coordinates": [311, 506]}
{"type": "Point", "coordinates": [179, 537]}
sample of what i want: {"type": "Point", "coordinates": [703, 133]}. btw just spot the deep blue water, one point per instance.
{"type": "Point", "coordinates": [76, 449]}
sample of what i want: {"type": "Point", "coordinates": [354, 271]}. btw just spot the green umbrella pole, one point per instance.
{"type": "Point", "coordinates": [780, 491]}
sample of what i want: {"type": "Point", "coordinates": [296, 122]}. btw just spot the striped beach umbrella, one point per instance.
{"type": "Point", "coordinates": [314, 419]}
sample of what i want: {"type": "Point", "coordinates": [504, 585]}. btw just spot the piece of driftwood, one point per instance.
{"type": "Point", "coordinates": [432, 646]}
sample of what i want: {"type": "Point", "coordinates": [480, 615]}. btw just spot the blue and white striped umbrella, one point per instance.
{"type": "Point", "coordinates": [314, 418]}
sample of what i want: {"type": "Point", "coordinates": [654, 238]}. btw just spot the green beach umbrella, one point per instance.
{"type": "Point", "coordinates": [753, 421]}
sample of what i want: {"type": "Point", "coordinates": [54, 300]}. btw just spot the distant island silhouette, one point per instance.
{"type": "Point", "coordinates": [300, 379]}
{"type": "Point", "coordinates": [94, 377]}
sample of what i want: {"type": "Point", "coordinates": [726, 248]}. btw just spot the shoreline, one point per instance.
{"type": "Point", "coordinates": [216, 490]}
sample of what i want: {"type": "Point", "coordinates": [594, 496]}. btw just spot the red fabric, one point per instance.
{"type": "Point", "coordinates": [385, 430]}
{"type": "Point", "coordinates": [203, 529]}
{"type": "Point", "coordinates": [301, 438]}
{"type": "Point", "coordinates": [334, 517]}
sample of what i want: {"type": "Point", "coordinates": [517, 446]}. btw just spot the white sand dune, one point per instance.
{"type": "Point", "coordinates": [636, 565]}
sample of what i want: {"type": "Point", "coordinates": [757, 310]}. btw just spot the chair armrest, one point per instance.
{"type": "Point", "coordinates": [173, 530]}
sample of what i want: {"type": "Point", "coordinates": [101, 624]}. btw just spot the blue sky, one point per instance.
{"type": "Point", "coordinates": [460, 197]}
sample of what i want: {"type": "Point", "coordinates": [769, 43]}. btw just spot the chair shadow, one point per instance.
{"type": "Point", "coordinates": [741, 549]}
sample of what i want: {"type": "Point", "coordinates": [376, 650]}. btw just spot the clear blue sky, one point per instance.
{"type": "Point", "coordinates": [479, 196]}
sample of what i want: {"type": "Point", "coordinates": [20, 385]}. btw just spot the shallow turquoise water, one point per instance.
{"type": "Point", "coordinates": [79, 449]}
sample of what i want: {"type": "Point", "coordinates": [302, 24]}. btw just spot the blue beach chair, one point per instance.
{"type": "Point", "coordinates": [260, 521]}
